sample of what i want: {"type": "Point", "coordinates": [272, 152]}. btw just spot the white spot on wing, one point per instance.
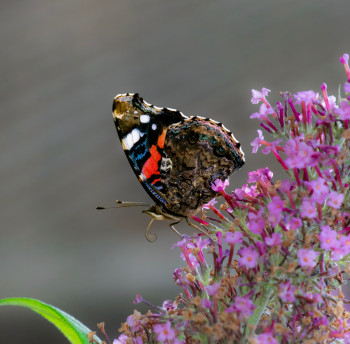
{"type": "Point", "coordinates": [144, 118]}
{"type": "Point", "coordinates": [154, 126]}
{"type": "Point", "coordinates": [130, 139]}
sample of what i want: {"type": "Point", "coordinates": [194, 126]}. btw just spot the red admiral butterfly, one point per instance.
{"type": "Point", "coordinates": [176, 158]}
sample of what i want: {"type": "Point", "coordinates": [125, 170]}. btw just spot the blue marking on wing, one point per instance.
{"type": "Point", "coordinates": [154, 193]}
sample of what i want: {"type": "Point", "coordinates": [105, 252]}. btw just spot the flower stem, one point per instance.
{"type": "Point", "coordinates": [261, 303]}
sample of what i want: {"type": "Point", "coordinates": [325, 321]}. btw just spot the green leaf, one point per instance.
{"type": "Point", "coordinates": [73, 329]}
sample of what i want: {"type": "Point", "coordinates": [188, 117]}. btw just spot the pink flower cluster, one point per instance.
{"type": "Point", "coordinates": [280, 249]}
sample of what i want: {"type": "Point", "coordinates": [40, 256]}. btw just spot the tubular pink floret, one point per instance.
{"type": "Point", "coordinates": [266, 128]}
{"type": "Point", "coordinates": [325, 95]}
{"type": "Point", "coordinates": [345, 61]}
{"type": "Point", "coordinates": [291, 104]}
{"type": "Point", "coordinates": [195, 218]}
{"type": "Point", "coordinates": [279, 159]}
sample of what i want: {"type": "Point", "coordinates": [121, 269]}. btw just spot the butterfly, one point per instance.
{"type": "Point", "coordinates": [176, 158]}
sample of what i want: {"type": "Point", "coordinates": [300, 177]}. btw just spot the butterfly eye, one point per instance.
{"type": "Point", "coordinates": [220, 150]}
{"type": "Point", "coordinates": [193, 137]}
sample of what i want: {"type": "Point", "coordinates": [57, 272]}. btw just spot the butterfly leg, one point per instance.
{"type": "Point", "coordinates": [201, 230]}
{"type": "Point", "coordinates": [175, 230]}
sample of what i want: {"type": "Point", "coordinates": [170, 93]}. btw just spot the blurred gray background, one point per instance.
{"type": "Point", "coordinates": [61, 64]}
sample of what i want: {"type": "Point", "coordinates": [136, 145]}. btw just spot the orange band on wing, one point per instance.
{"type": "Point", "coordinates": [161, 139]}
{"type": "Point", "coordinates": [151, 165]}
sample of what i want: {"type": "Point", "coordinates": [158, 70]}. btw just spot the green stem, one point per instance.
{"type": "Point", "coordinates": [259, 310]}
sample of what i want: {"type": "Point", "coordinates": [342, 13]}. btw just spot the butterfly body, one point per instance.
{"type": "Point", "coordinates": [175, 157]}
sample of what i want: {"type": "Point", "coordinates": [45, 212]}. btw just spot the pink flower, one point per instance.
{"type": "Point", "coordinates": [219, 185]}
{"type": "Point", "coordinates": [308, 209]}
{"type": "Point", "coordinates": [306, 96]}
{"type": "Point", "coordinates": [138, 299]}
{"type": "Point", "coordinates": [347, 87]}
{"type": "Point", "coordinates": [210, 203]}
{"type": "Point", "coordinates": [276, 205]}
{"type": "Point", "coordinates": [206, 303]}
{"type": "Point", "coordinates": [249, 257]}
{"type": "Point", "coordinates": [344, 243]}
{"type": "Point", "coordinates": [344, 110]}
{"type": "Point", "coordinates": [242, 304]}
{"type": "Point", "coordinates": [262, 174]}
{"type": "Point", "coordinates": [212, 289]}
{"type": "Point", "coordinates": [275, 240]}
{"type": "Point", "coordinates": [328, 238]}
{"type": "Point", "coordinates": [307, 258]}
{"type": "Point", "coordinates": [265, 338]}
{"type": "Point", "coordinates": [320, 189]}
{"type": "Point", "coordinates": [168, 305]}
{"type": "Point", "coordinates": [294, 223]}
{"type": "Point", "coordinates": [286, 292]}
{"type": "Point", "coordinates": [122, 339]}
{"type": "Point", "coordinates": [344, 58]}
{"type": "Point", "coordinates": [335, 200]}
{"type": "Point", "coordinates": [258, 96]}
{"type": "Point", "coordinates": [255, 222]}
{"type": "Point", "coordinates": [274, 219]}
{"type": "Point", "coordinates": [256, 143]}
{"type": "Point", "coordinates": [232, 238]}
{"type": "Point", "coordinates": [299, 154]}
{"type": "Point", "coordinates": [165, 332]}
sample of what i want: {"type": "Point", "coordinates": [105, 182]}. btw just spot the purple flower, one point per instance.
{"type": "Point", "coordinates": [308, 209]}
{"type": "Point", "coordinates": [276, 205]}
{"type": "Point", "coordinates": [306, 96]}
{"type": "Point", "coordinates": [249, 257]}
{"type": "Point", "coordinates": [122, 339]}
{"type": "Point", "coordinates": [130, 320]}
{"type": "Point", "coordinates": [274, 218]}
{"type": "Point", "coordinates": [286, 292]}
{"type": "Point", "coordinates": [255, 222]}
{"type": "Point", "coordinates": [219, 185]}
{"type": "Point", "coordinates": [209, 204]}
{"type": "Point", "coordinates": [258, 96]}
{"type": "Point", "coordinates": [138, 299]}
{"type": "Point", "coordinates": [272, 147]}
{"type": "Point", "coordinates": [307, 258]}
{"type": "Point", "coordinates": [246, 190]}
{"type": "Point", "coordinates": [344, 58]}
{"type": "Point", "coordinates": [242, 304]}
{"type": "Point", "coordinates": [299, 154]}
{"type": "Point", "coordinates": [294, 223]}
{"type": "Point", "coordinates": [262, 174]}
{"type": "Point", "coordinates": [335, 200]}
{"type": "Point", "coordinates": [347, 87]}
{"type": "Point", "coordinates": [256, 143]}
{"type": "Point", "coordinates": [344, 243]}
{"type": "Point", "coordinates": [232, 238]}
{"type": "Point", "coordinates": [328, 238]}
{"type": "Point", "coordinates": [343, 111]}
{"type": "Point", "coordinates": [206, 303]}
{"type": "Point", "coordinates": [320, 189]}
{"type": "Point", "coordinates": [164, 332]}
{"type": "Point", "coordinates": [265, 338]}
{"type": "Point", "coordinates": [212, 289]}
{"type": "Point", "coordinates": [169, 305]}
{"type": "Point", "coordinates": [275, 208]}
{"type": "Point", "coordinates": [274, 240]}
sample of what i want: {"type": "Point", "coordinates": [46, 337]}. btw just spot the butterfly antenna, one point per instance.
{"type": "Point", "coordinates": [151, 237]}
{"type": "Point", "coordinates": [122, 204]}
